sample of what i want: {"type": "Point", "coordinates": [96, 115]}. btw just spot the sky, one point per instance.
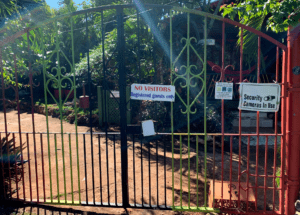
{"type": "Point", "coordinates": [54, 3]}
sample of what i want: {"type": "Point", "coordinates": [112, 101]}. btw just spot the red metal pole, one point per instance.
{"type": "Point", "coordinates": [293, 124]}
{"type": "Point", "coordinates": [222, 107]}
{"type": "Point", "coordinates": [283, 131]}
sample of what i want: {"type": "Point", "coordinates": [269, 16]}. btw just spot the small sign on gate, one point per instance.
{"type": "Point", "coordinates": [223, 90]}
{"type": "Point", "coordinates": [153, 92]}
{"type": "Point", "coordinates": [259, 97]}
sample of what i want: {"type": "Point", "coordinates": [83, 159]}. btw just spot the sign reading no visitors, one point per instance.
{"type": "Point", "coordinates": [153, 92]}
{"type": "Point", "coordinates": [259, 97]}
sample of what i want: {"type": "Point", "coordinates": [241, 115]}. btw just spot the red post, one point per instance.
{"type": "Point", "coordinates": [292, 122]}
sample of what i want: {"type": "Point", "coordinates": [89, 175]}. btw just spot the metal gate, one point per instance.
{"type": "Point", "coordinates": [102, 158]}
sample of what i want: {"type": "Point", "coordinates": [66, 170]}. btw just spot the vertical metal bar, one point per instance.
{"type": "Point", "coordinates": [104, 76]}
{"type": "Point", "coordinates": [149, 173]}
{"type": "Point", "coordinates": [105, 101]}
{"type": "Point", "coordinates": [85, 170]}
{"type": "Point", "coordinates": [222, 107]}
{"type": "Point", "coordinates": [165, 176]}
{"type": "Point", "coordinates": [107, 170]}
{"type": "Point", "coordinates": [133, 160]}
{"type": "Point", "coordinates": [283, 131]}
{"type": "Point", "coordinates": [36, 173]}
{"type": "Point", "coordinates": [230, 173]}
{"type": "Point", "coordinates": [142, 178]}
{"type": "Point", "coordinates": [276, 133]}
{"type": "Point", "coordinates": [214, 168]}
{"type": "Point", "coordinates": [2, 164]}
{"type": "Point", "coordinates": [90, 106]}
{"type": "Point", "coordinates": [172, 120]}
{"type": "Point", "coordinates": [157, 190]}
{"type": "Point", "coordinates": [100, 168]}
{"type": "Point", "coordinates": [248, 172]}
{"type": "Point", "coordinates": [138, 54]}
{"type": "Point", "coordinates": [4, 112]}
{"type": "Point", "coordinates": [17, 100]}
{"type": "Point", "coordinates": [115, 167]}
{"type": "Point", "coordinates": [123, 102]}
{"type": "Point", "coordinates": [64, 165]}
{"type": "Point", "coordinates": [19, 120]}
{"type": "Point", "coordinates": [188, 79]}
{"type": "Point", "coordinates": [47, 121]}
{"type": "Point", "coordinates": [205, 129]}
{"type": "Point", "coordinates": [180, 139]}
{"type": "Point", "coordinates": [4, 107]}
{"type": "Point", "coordinates": [32, 105]}
{"type": "Point", "coordinates": [240, 120]}
{"type": "Point", "coordinates": [75, 108]}
{"type": "Point", "coordinates": [257, 124]}
{"type": "Point", "coordinates": [16, 173]}
{"type": "Point", "coordinates": [56, 161]}
{"type": "Point", "coordinates": [29, 169]}
{"type": "Point", "coordinates": [71, 169]}
{"type": "Point", "coordinates": [60, 105]}
{"type": "Point", "coordinates": [197, 169]}
{"type": "Point", "coordinates": [43, 169]}
{"type": "Point", "coordinates": [266, 174]}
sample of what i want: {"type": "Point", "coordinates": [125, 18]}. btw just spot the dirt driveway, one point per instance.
{"type": "Point", "coordinates": [88, 169]}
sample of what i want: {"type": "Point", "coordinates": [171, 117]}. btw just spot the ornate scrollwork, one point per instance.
{"type": "Point", "coordinates": [189, 78]}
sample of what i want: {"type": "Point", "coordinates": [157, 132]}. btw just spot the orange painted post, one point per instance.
{"type": "Point", "coordinates": [293, 121]}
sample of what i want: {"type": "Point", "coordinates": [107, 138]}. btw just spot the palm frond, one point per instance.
{"type": "Point", "coordinates": [250, 40]}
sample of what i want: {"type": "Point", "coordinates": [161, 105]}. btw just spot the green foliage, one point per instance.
{"type": "Point", "coordinates": [278, 174]}
{"type": "Point", "coordinates": [279, 15]}
{"type": "Point", "coordinates": [9, 7]}
{"type": "Point", "coordinates": [110, 45]}
{"type": "Point", "coordinates": [10, 155]}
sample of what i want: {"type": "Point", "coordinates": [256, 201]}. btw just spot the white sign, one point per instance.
{"type": "Point", "coordinates": [148, 128]}
{"type": "Point", "coordinates": [153, 92]}
{"type": "Point", "coordinates": [223, 90]}
{"type": "Point", "coordinates": [259, 97]}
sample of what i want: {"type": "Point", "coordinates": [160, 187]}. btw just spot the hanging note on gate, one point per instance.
{"type": "Point", "coordinates": [148, 128]}
{"type": "Point", "coordinates": [223, 90]}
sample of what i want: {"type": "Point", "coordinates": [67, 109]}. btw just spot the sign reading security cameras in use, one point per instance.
{"type": "Point", "coordinates": [259, 97]}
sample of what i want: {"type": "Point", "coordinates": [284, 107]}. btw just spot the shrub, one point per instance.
{"type": "Point", "coordinates": [11, 157]}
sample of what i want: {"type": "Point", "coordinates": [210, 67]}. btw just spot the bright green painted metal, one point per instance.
{"type": "Point", "coordinates": [56, 82]}
{"type": "Point", "coordinates": [63, 202]}
{"type": "Point", "coordinates": [172, 120]}
{"type": "Point", "coordinates": [188, 104]}
{"type": "Point", "coordinates": [60, 106]}
{"type": "Point", "coordinates": [205, 131]}
{"type": "Point", "coordinates": [75, 105]}
{"type": "Point", "coordinates": [196, 209]}
{"type": "Point", "coordinates": [47, 119]}
{"type": "Point", "coordinates": [56, 161]}
{"type": "Point", "coordinates": [188, 76]}
{"type": "Point", "coordinates": [180, 137]}
{"type": "Point", "coordinates": [71, 168]}
{"type": "Point", "coordinates": [197, 169]}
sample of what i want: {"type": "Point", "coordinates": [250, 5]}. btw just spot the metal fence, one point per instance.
{"type": "Point", "coordinates": [96, 161]}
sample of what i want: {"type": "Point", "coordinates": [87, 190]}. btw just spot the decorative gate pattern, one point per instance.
{"type": "Point", "coordinates": [195, 153]}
